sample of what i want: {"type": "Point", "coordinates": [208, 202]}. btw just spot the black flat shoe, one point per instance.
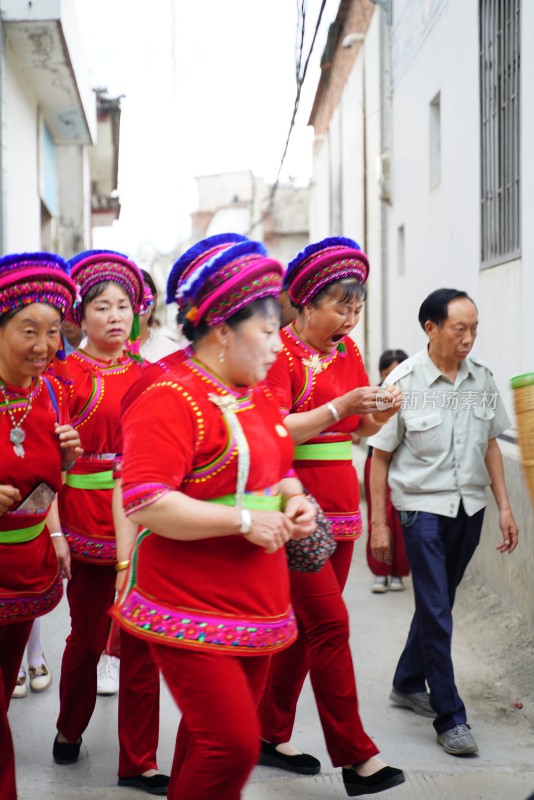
{"type": "Point", "coordinates": [66, 752]}
{"type": "Point", "coordinates": [302, 763]}
{"type": "Point", "coordinates": [155, 784]}
{"type": "Point", "coordinates": [385, 778]}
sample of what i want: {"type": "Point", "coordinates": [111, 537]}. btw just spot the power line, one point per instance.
{"type": "Point", "coordinates": [300, 80]}
{"type": "Point", "coordinates": [301, 25]}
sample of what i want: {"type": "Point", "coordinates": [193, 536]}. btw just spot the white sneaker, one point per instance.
{"type": "Point", "coordinates": [380, 585]}
{"type": "Point", "coordinates": [21, 687]}
{"type": "Point", "coordinates": [107, 680]}
{"type": "Point", "coordinates": [396, 584]}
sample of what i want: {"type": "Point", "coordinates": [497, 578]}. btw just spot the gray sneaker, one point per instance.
{"type": "Point", "coordinates": [417, 701]}
{"type": "Point", "coordinates": [380, 585]}
{"type": "Point", "coordinates": [458, 741]}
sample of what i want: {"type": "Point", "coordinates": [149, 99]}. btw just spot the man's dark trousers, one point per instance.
{"type": "Point", "coordinates": [439, 549]}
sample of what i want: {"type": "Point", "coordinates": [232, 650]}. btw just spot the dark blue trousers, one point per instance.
{"type": "Point", "coordinates": [439, 550]}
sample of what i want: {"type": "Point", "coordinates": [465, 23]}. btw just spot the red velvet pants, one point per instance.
{"type": "Point", "coordinates": [13, 640]}
{"type": "Point", "coordinates": [399, 566]}
{"type": "Point", "coordinates": [218, 739]}
{"type": "Point", "coordinates": [90, 593]}
{"type": "Point", "coordinates": [322, 648]}
{"type": "Point", "coordinates": [113, 643]}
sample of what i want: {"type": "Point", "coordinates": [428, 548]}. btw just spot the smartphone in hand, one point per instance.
{"type": "Point", "coordinates": [38, 499]}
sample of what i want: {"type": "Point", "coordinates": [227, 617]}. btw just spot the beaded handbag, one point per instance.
{"type": "Point", "coordinates": [311, 553]}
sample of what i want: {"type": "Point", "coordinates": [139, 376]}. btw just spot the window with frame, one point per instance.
{"type": "Point", "coordinates": [500, 51]}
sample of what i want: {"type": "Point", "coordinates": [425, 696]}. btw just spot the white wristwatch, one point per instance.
{"type": "Point", "coordinates": [246, 521]}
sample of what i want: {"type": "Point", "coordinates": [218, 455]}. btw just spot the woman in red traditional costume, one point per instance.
{"type": "Point", "coordinates": [37, 443]}
{"type": "Point", "coordinates": [212, 484]}
{"type": "Point", "coordinates": [152, 346]}
{"type": "Point", "coordinates": [191, 259]}
{"type": "Point", "coordinates": [323, 392]}
{"type": "Point", "coordinates": [188, 262]}
{"type": "Point", "coordinates": [387, 576]}
{"type": "Point", "coordinates": [111, 289]}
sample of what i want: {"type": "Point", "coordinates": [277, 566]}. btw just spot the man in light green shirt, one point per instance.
{"type": "Point", "coordinates": [439, 455]}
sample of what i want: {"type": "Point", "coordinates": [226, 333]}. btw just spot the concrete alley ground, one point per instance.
{"type": "Point", "coordinates": [494, 658]}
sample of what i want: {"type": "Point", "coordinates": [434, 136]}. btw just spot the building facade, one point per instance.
{"type": "Point", "coordinates": [58, 171]}
{"type": "Point", "coordinates": [244, 203]}
{"type": "Point", "coordinates": [431, 152]}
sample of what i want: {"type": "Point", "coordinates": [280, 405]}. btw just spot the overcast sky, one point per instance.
{"type": "Point", "coordinates": [209, 87]}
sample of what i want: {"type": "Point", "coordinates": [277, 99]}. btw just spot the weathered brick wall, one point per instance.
{"type": "Point", "coordinates": [353, 16]}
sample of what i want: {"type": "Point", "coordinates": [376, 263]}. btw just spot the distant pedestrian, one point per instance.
{"type": "Point", "coordinates": [440, 453]}
{"type": "Point", "coordinates": [71, 336]}
{"type": "Point", "coordinates": [386, 576]}
{"type": "Point", "coordinates": [154, 343]}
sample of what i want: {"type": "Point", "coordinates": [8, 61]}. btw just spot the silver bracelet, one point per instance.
{"type": "Point", "coordinates": [246, 521]}
{"type": "Point", "coordinates": [55, 535]}
{"type": "Point", "coordinates": [333, 410]}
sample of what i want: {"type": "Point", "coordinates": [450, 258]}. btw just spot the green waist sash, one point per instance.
{"type": "Point", "coordinates": [94, 480]}
{"type": "Point", "coordinates": [23, 534]}
{"type": "Point", "coordinates": [254, 502]}
{"type": "Point", "coordinates": [324, 451]}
